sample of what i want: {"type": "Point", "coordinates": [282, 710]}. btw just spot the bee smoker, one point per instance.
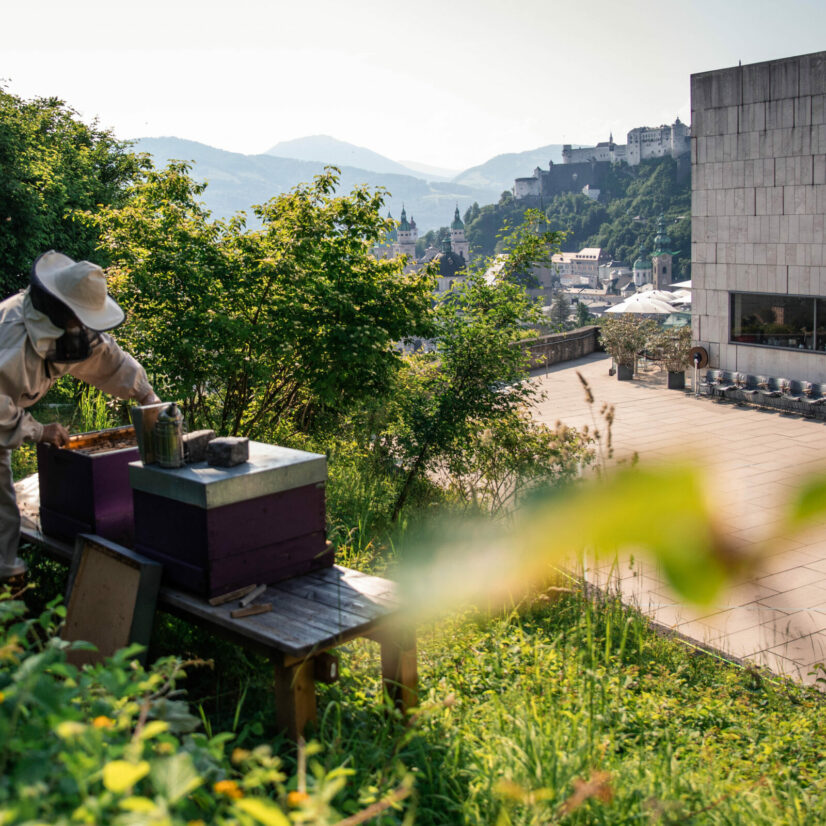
{"type": "Point", "coordinates": [169, 437]}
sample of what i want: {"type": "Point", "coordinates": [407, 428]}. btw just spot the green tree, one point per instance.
{"type": "Point", "coordinates": [560, 310]}
{"type": "Point", "coordinates": [474, 375]}
{"type": "Point", "coordinates": [52, 166]}
{"type": "Point", "coordinates": [290, 325]}
{"type": "Point", "coordinates": [583, 317]}
{"type": "Point", "coordinates": [432, 238]}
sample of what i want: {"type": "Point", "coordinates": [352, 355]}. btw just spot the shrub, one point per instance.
{"type": "Point", "coordinates": [625, 335]}
{"type": "Point", "coordinates": [116, 744]}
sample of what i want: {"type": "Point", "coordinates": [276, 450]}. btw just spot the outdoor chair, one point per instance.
{"type": "Point", "coordinates": [726, 382]}
{"type": "Point", "coordinates": [708, 385]}
{"type": "Point", "coordinates": [816, 395]}
{"type": "Point", "coordinates": [770, 387]}
{"type": "Point", "coordinates": [748, 384]}
{"type": "Point", "coordinates": [796, 391]}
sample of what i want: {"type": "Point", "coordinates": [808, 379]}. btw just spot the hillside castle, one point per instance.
{"type": "Point", "coordinates": [583, 169]}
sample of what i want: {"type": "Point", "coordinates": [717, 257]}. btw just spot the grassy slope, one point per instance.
{"type": "Point", "coordinates": [518, 710]}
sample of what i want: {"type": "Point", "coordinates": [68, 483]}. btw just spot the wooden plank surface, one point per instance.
{"type": "Point", "coordinates": [310, 613]}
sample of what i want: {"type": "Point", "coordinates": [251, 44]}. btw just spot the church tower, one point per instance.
{"type": "Point", "coordinates": [457, 236]}
{"type": "Point", "coordinates": [661, 257]}
{"type": "Point", "coordinates": [408, 235]}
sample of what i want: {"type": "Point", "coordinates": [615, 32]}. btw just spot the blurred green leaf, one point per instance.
{"type": "Point", "coordinates": [262, 811]}
{"type": "Point", "coordinates": [809, 501]}
{"type": "Point", "coordinates": [175, 776]}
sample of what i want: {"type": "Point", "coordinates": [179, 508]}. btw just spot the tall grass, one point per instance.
{"type": "Point", "coordinates": [93, 411]}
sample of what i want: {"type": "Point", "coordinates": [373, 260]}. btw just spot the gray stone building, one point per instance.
{"type": "Point", "coordinates": [758, 246]}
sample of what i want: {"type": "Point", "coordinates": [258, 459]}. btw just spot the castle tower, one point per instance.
{"type": "Point", "coordinates": [408, 235]}
{"type": "Point", "coordinates": [457, 236]}
{"type": "Point", "coordinates": [661, 257]}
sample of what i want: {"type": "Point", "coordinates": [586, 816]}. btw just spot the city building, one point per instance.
{"type": "Point", "coordinates": [759, 217]}
{"type": "Point", "coordinates": [576, 269]}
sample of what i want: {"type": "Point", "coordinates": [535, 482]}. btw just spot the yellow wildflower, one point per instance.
{"type": "Point", "coordinates": [103, 722]}
{"type": "Point", "coordinates": [295, 799]}
{"type": "Point", "coordinates": [228, 788]}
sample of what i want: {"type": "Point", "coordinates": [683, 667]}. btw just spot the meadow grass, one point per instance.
{"type": "Point", "coordinates": [565, 708]}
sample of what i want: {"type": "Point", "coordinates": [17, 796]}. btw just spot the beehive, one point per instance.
{"type": "Point", "coordinates": [84, 488]}
{"type": "Point", "coordinates": [216, 529]}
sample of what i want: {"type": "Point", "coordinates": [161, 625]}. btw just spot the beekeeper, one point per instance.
{"type": "Point", "coordinates": [54, 327]}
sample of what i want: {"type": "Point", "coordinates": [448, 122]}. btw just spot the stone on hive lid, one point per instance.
{"type": "Point", "coordinates": [228, 451]}
{"type": "Point", "coordinates": [195, 445]}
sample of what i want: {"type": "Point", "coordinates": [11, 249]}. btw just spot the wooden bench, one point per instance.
{"type": "Point", "coordinates": [310, 615]}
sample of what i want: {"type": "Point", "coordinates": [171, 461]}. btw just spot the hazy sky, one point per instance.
{"type": "Point", "coordinates": [444, 82]}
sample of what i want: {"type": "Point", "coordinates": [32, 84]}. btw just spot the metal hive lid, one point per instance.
{"type": "Point", "coordinates": [270, 469]}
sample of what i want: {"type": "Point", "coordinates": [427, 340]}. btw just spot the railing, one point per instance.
{"type": "Point", "coordinates": [559, 347]}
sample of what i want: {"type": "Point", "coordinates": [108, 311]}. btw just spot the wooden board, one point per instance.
{"type": "Point", "coordinates": [111, 598]}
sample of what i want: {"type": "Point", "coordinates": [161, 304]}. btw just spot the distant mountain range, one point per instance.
{"type": "Point", "coordinates": [238, 181]}
{"type": "Point", "coordinates": [500, 171]}
{"type": "Point", "coordinates": [324, 149]}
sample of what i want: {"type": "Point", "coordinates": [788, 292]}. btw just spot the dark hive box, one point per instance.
{"type": "Point", "coordinates": [217, 529]}
{"type": "Point", "coordinates": [85, 488]}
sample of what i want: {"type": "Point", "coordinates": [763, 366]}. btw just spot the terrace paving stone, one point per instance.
{"type": "Point", "coordinates": [755, 460]}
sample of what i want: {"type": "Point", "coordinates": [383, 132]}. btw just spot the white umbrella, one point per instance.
{"type": "Point", "coordinates": [662, 295]}
{"type": "Point", "coordinates": [681, 297]}
{"type": "Point", "coordinates": [685, 285]}
{"type": "Point", "coordinates": [643, 305]}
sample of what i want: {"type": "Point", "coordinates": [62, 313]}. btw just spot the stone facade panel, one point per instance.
{"type": "Point", "coordinates": [818, 109]}
{"type": "Point", "coordinates": [805, 229]}
{"type": "Point", "coordinates": [803, 111]}
{"type": "Point", "coordinates": [755, 83]}
{"type": "Point", "coordinates": [819, 169]}
{"type": "Point", "coordinates": [752, 117]}
{"type": "Point", "coordinates": [812, 73]}
{"type": "Point", "coordinates": [780, 114]}
{"type": "Point", "coordinates": [783, 81]}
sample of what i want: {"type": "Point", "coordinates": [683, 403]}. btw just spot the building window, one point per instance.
{"type": "Point", "coordinates": [789, 321]}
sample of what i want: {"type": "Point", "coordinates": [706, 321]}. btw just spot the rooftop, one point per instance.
{"type": "Point", "coordinates": [754, 460]}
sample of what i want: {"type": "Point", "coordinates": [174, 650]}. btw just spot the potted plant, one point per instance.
{"type": "Point", "coordinates": [672, 348]}
{"type": "Point", "coordinates": [623, 336]}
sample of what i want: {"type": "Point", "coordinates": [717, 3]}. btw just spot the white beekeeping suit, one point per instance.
{"type": "Point", "coordinates": [50, 329]}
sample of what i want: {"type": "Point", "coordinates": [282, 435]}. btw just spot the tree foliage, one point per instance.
{"type": "Point", "coordinates": [286, 326]}
{"type": "Point", "coordinates": [52, 165]}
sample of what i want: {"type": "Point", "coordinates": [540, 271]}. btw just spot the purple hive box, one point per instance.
{"type": "Point", "coordinates": [217, 529]}
{"type": "Point", "coordinates": [87, 492]}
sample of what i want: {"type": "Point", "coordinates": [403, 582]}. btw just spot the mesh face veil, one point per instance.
{"type": "Point", "coordinates": [76, 343]}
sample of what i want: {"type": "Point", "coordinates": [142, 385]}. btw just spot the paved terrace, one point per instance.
{"type": "Point", "coordinates": [776, 618]}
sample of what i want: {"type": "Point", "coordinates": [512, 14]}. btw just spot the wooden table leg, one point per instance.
{"type": "Point", "coordinates": [398, 666]}
{"type": "Point", "coordinates": [295, 704]}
